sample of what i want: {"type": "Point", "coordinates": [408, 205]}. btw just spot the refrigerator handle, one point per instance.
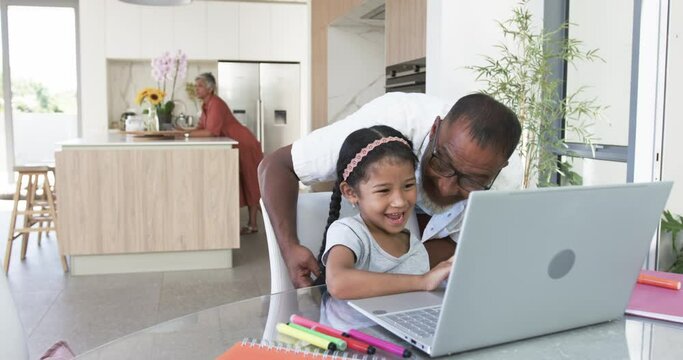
{"type": "Point", "coordinates": [261, 124]}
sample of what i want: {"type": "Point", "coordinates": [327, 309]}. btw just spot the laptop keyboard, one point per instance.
{"type": "Point", "coordinates": [419, 322]}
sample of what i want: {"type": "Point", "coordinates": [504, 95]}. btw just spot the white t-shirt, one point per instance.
{"type": "Point", "coordinates": [352, 233]}
{"type": "Point", "coordinates": [315, 156]}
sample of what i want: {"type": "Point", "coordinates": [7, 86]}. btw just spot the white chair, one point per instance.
{"type": "Point", "coordinates": [311, 217]}
{"type": "Point", "coordinates": [12, 340]}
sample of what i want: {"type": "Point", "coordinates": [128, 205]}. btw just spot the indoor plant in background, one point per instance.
{"type": "Point", "coordinates": [167, 70]}
{"type": "Point", "coordinates": [521, 77]}
{"type": "Point", "coordinates": [671, 226]}
{"type": "Point", "coordinates": [191, 91]}
{"type": "Point", "coordinates": [154, 98]}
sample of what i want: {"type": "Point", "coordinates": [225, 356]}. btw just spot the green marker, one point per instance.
{"type": "Point", "coordinates": [341, 344]}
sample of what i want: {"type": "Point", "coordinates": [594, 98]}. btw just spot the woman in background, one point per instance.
{"type": "Point", "coordinates": [217, 120]}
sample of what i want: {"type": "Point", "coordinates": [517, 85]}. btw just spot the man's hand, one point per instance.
{"type": "Point", "coordinates": [301, 264]}
{"type": "Point", "coordinates": [280, 192]}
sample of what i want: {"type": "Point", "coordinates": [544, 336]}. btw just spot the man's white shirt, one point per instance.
{"type": "Point", "coordinates": [315, 156]}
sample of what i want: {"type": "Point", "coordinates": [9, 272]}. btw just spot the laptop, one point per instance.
{"type": "Point", "coordinates": [530, 263]}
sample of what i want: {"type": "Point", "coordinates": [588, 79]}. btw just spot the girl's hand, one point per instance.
{"type": "Point", "coordinates": [437, 274]}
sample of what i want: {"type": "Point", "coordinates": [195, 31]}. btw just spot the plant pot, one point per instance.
{"type": "Point", "coordinates": [164, 118]}
{"type": "Point", "coordinates": [165, 121]}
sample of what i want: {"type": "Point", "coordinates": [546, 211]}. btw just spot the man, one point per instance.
{"type": "Point", "coordinates": [460, 152]}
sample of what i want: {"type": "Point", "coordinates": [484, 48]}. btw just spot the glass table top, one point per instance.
{"type": "Point", "coordinates": [207, 334]}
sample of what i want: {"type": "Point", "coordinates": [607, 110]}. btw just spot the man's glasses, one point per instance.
{"type": "Point", "coordinates": [445, 169]}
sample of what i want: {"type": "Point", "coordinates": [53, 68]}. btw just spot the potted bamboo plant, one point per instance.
{"type": "Point", "coordinates": [521, 77]}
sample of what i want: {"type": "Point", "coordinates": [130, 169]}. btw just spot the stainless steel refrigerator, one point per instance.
{"type": "Point", "coordinates": [265, 97]}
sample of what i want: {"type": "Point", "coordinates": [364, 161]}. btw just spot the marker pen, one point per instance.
{"type": "Point", "coordinates": [380, 344]}
{"type": "Point", "coordinates": [300, 320]}
{"type": "Point", "coordinates": [302, 335]}
{"type": "Point", "coordinates": [341, 344]}
{"type": "Point", "coordinates": [352, 343]}
{"type": "Point", "coordinates": [659, 281]}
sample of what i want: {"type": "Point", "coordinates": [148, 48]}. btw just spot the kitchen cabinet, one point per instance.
{"type": "Point", "coordinates": [190, 29]}
{"type": "Point", "coordinates": [254, 31]}
{"type": "Point", "coordinates": [123, 29]}
{"type": "Point", "coordinates": [222, 21]}
{"type": "Point", "coordinates": [207, 30]}
{"type": "Point", "coordinates": [287, 32]}
{"type": "Point", "coordinates": [406, 30]}
{"type": "Point", "coordinates": [156, 31]}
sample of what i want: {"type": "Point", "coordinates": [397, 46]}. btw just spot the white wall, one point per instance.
{"type": "Point", "coordinates": [460, 34]}
{"type": "Point", "coordinates": [125, 78]}
{"type": "Point", "coordinates": [206, 30]}
{"type": "Point", "coordinates": [355, 68]}
{"type": "Point", "coordinates": [93, 67]}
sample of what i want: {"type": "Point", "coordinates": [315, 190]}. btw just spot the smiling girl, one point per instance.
{"type": "Point", "coordinates": [372, 253]}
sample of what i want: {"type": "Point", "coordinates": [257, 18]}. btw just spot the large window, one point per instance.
{"type": "Point", "coordinates": [39, 45]}
{"type": "Point", "coordinates": [607, 26]}
{"type": "Point", "coordinates": [633, 38]}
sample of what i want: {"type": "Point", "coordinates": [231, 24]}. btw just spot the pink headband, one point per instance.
{"type": "Point", "coordinates": [364, 152]}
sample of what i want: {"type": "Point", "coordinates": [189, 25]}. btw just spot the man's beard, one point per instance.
{"type": "Point", "coordinates": [423, 199]}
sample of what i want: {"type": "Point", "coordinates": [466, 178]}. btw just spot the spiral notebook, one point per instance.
{"type": "Point", "coordinates": [266, 350]}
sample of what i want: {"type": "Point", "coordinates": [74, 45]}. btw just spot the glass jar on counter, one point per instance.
{"type": "Point", "coordinates": [122, 121]}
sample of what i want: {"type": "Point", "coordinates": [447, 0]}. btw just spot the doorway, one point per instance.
{"type": "Point", "coordinates": [40, 81]}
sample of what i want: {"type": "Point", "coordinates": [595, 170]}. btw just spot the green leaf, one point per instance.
{"type": "Point", "coordinates": [167, 108]}
{"type": "Point", "coordinates": [677, 266]}
{"type": "Point", "coordinates": [671, 224]}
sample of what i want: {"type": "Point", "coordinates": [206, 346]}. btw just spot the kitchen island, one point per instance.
{"type": "Point", "coordinates": [133, 204]}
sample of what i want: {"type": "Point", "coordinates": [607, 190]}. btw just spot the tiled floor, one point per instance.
{"type": "Point", "coordinates": [88, 311]}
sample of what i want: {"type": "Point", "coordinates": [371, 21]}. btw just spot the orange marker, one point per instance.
{"type": "Point", "coordinates": [658, 281]}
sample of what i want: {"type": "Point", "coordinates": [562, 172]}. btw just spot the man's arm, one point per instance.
{"type": "Point", "coordinates": [439, 250]}
{"type": "Point", "coordinates": [280, 191]}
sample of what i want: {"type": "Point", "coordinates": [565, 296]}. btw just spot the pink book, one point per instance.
{"type": "Point", "coordinates": [656, 302]}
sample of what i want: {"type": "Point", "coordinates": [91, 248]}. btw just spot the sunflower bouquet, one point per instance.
{"type": "Point", "coordinates": [166, 70]}
{"type": "Point", "coordinates": [154, 96]}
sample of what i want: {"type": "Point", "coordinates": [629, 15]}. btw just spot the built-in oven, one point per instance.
{"type": "Point", "coordinates": [409, 76]}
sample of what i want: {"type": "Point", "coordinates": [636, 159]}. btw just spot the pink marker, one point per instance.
{"type": "Point", "coordinates": [380, 344]}
{"type": "Point", "coordinates": [300, 320]}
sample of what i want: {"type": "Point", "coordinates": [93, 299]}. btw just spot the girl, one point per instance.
{"type": "Point", "coordinates": [372, 253]}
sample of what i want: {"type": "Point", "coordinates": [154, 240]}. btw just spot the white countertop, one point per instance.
{"type": "Point", "coordinates": [117, 139]}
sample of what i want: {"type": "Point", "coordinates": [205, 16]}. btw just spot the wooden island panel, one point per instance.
{"type": "Point", "coordinates": [154, 199]}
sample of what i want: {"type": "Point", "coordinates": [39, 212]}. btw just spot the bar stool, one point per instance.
{"type": "Point", "coordinates": [39, 210]}
{"type": "Point", "coordinates": [51, 170]}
